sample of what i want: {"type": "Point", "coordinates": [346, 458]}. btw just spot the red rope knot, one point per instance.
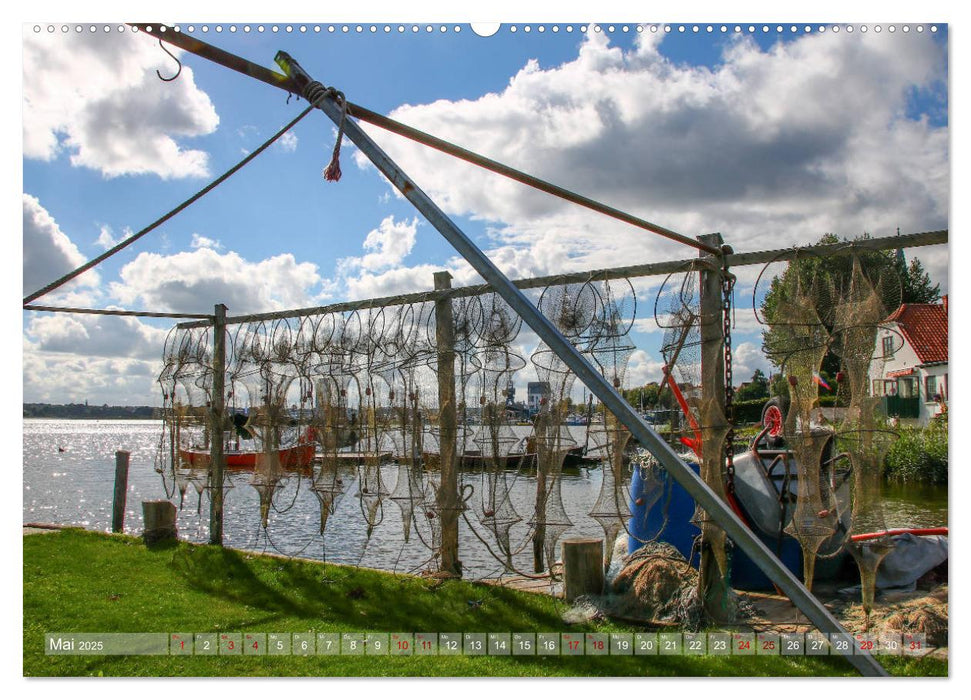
{"type": "Point", "coordinates": [332, 173]}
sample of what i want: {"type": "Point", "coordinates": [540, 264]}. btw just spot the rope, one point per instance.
{"type": "Point", "coordinates": [158, 222]}
{"type": "Point", "coordinates": [315, 92]}
{"type": "Point", "coordinates": [332, 173]}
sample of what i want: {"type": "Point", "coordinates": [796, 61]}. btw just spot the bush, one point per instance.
{"type": "Point", "coordinates": [748, 411]}
{"type": "Point", "coordinates": [919, 456]}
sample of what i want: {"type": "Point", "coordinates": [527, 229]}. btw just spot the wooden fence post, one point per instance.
{"type": "Point", "coordinates": [121, 491]}
{"type": "Point", "coordinates": [217, 460]}
{"type": "Point", "coordinates": [714, 584]}
{"type": "Point", "coordinates": [448, 502]}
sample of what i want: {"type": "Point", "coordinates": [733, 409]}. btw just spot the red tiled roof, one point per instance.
{"type": "Point", "coordinates": [925, 328]}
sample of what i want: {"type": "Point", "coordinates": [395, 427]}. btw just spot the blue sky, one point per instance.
{"type": "Point", "coordinates": [772, 138]}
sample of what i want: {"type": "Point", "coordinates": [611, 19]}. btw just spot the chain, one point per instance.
{"type": "Point", "coordinates": [728, 283]}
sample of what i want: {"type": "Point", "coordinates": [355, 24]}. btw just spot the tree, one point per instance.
{"type": "Point", "coordinates": [917, 288]}
{"type": "Point", "coordinates": [645, 396]}
{"type": "Point", "coordinates": [756, 388]}
{"type": "Point", "coordinates": [829, 277]}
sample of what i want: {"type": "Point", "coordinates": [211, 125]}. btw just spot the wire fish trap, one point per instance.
{"type": "Point", "coordinates": [328, 486]}
{"type": "Point", "coordinates": [573, 308]}
{"type": "Point", "coordinates": [409, 495]}
{"type": "Point", "coordinates": [372, 492]}
{"type": "Point", "coordinates": [549, 519]}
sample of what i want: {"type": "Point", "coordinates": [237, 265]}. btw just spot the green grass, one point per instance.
{"type": "Point", "coordinates": [76, 581]}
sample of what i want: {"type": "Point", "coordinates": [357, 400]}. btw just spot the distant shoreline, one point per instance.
{"type": "Point", "coordinates": [76, 411]}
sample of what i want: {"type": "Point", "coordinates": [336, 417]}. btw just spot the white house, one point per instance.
{"type": "Point", "coordinates": [909, 364]}
{"type": "Point", "coordinates": [536, 392]}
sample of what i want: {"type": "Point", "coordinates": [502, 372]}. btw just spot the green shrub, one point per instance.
{"type": "Point", "coordinates": [748, 411]}
{"type": "Point", "coordinates": [919, 455]}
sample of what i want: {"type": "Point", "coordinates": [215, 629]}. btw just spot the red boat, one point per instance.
{"type": "Point", "coordinates": [297, 458]}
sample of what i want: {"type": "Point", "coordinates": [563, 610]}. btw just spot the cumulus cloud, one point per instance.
{"type": "Point", "coordinates": [746, 358]}
{"type": "Point", "coordinates": [205, 242]}
{"type": "Point", "coordinates": [643, 369]}
{"type": "Point", "coordinates": [96, 336]}
{"type": "Point", "coordinates": [387, 245]}
{"type": "Point", "coordinates": [101, 102]}
{"type": "Point", "coordinates": [49, 253]}
{"type": "Point", "coordinates": [770, 147]}
{"type": "Point", "coordinates": [54, 377]}
{"type": "Point", "coordinates": [194, 281]}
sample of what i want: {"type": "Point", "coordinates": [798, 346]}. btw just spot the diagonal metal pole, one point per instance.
{"type": "Point", "coordinates": [601, 388]}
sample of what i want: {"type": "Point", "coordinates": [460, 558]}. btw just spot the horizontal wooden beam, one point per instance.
{"type": "Point", "coordinates": [910, 240]}
{"type": "Point", "coordinates": [113, 312]}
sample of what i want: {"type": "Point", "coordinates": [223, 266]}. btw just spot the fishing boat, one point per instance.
{"type": "Point", "coordinates": [474, 460]}
{"type": "Point", "coordinates": [766, 492]}
{"type": "Point", "coordinates": [300, 457]}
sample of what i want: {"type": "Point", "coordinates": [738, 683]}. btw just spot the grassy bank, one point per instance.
{"type": "Point", "coordinates": [77, 581]}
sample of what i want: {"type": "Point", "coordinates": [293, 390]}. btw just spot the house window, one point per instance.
{"type": "Point", "coordinates": [888, 347]}
{"type": "Point", "coordinates": [906, 388]}
{"type": "Point", "coordinates": [931, 389]}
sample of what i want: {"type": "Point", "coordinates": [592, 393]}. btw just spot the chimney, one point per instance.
{"type": "Point", "coordinates": [944, 301]}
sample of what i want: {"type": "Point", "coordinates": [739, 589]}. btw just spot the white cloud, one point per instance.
{"type": "Point", "coordinates": [105, 359]}
{"type": "Point", "coordinates": [746, 358]}
{"type": "Point", "coordinates": [288, 142]}
{"type": "Point", "coordinates": [67, 378]}
{"type": "Point", "coordinates": [388, 245]}
{"type": "Point", "coordinates": [106, 238]}
{"type": "Point", "coordinates": [643, 369]}
{"type": "Point", "coordinates": [194, 281]}
{"type": "Point", "coordinates": [769, 147]}
{"type": "Point", "coordinates": [101, 102]}
{"type": "Point", "coordinates": [205, 242]}
{"type": "Point", "coordinates": [99, 336]}
{"type": "Point", "coordinates": [49, 254]}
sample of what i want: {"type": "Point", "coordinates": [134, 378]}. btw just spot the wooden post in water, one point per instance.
{"type": "Point", "coordinates": [583, 569]}
{"type": "Point", "coordinates": [217, 460]}
{"type": "Point", "coordinates": [448, 503]}
{"type": "Point", "coordinates": [121, 491]}
{"type": "Point", "coordinates": [714, 584]}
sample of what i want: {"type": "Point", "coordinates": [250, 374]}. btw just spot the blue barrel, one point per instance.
{"type": "Point", "coordinates": [661, 510]}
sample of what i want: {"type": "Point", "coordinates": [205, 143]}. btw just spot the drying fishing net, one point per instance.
{"type": "Point", "coordinates": [800, 345]}
{"type": "Point", "coordinates": [863, 432]}
{"type": "Point", "coordinates": [610, 347]}
{"type": "Point", "coordinates": [694, 355]}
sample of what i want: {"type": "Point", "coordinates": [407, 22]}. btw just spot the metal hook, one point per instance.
{"type": "Point", "coordinates": [177, 74]}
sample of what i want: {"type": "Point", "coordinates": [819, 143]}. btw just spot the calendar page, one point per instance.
{"type": "Point", "coordinates": [375, 348]}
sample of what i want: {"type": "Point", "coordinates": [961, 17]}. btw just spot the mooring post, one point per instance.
{"type": "Point", "coordinates": [217, 405]}
{"type": "Point", "coordinates": [715, 587]}
{"type": "Point", "coordinates": [583, 567]}
{"type": "Point", "coordinates": [448, 503]}
{"type": "Point", "coordinates": [121, 491]}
